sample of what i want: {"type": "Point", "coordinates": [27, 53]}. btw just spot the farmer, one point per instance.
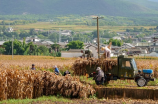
{"type": "Point", "coordinates": [107, 50]}
{"type": "Point", "coordinates": [100, 77]}
{"type": "Point", "coordinates": [56, 70]}
{"type": "Point", "coordinates": [83, 55]}
{"type": "Point", "coordinates": [33, 67]}
{"type": "Point", "coordinates": [66, 72]}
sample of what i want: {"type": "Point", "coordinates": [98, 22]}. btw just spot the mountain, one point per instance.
{"type": "Point", "coordinates": [154, 0]}
{"type": "Point", "coordinates": [81, 7]}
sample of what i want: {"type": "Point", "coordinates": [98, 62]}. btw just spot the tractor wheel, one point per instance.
{"type": "Point", "coordinates": [141, 82]}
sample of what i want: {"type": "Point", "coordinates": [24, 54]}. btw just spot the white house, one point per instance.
{"type": "Point", "coordinates": [116, 37]}
{"type": "Point", "coordinates": [10, 29]}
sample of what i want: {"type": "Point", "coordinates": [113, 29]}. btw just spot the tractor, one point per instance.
{"type": "Point", "coordinates": [126, 68]}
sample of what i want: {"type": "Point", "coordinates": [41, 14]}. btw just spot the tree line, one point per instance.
{"type": "Point", "coordinates": [21, 48]}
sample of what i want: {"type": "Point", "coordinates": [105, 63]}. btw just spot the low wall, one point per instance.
{"type": "Point", "coordinates": [127, 93]}
{"type": "Point", "coordinates": [69, 54]}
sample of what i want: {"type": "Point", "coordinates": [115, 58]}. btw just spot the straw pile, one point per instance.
{"type": "Point", "coordinates": [20, 84]}
{"type": "Point", "coordinates": [80, 67]}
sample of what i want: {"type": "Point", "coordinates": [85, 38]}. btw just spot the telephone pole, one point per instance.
{"type": "Point", "coordinates": [98, 35]}
{"type": "Point", "coordinates": [59, 35]}
{"type": "Point", "coordinates": [12, 46]}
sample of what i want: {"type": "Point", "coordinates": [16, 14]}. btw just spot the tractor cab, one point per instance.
{"type": "Point", "coordinates": [127, 67]}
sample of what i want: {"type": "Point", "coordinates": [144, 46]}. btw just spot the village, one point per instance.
{"type": "Point", "coordinates": [147, 47]}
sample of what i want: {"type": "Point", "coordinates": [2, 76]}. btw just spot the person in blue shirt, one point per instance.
{"type": "Point", "coordinates": [56, 70]}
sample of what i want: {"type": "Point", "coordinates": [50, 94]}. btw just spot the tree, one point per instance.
{"type": "Point", "coordinates": [95, 33]}
{"type": "Point", "coordinates": [54, 37]}
{"type": "Point", "coordinates": [43, 50]}
{"type": "Point", "coordinates": [75, 45]}
{"type": "Point", "coordinates": [1, 50]}
{"type": "Point", "coordinates": [157, 28]}
{"type": "Point", "coordinates": [3, 28]}
{"type": "Point", "coordinates": [128, 40]}
{"type": "Point", "coordinates": [32, 31]}
{"type": "Point", "coordinates": [23, 34]}
{"type": "Point", "coordinates": [17, 46]}
{"type": "Point", "coordinates": [115, 42]}
{"type": "Point", "coordinates": [55, 47]}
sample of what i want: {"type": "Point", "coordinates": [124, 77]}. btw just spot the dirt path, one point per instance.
{"type": "Point", "coordinates": [102, 101]}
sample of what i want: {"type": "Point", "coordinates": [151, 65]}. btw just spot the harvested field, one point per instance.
{"type": "Point", "coordinates": [148, 64]}
{"type": "Point", "coordinates": [41, 62]}
{"type": "Point", "coordinates": [21, 84]}
{"type": "Point", "coordinates": [22, 79]}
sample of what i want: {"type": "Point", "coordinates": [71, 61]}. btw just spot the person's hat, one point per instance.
{"type": "Point", "coordinates": [139, 71]}
{"type": "Point", "coordinates": [98, 68]}
{"type": "Point", "coordinates": [55, 66]}
{"type": "Point", "coordinates": [33, 64]}
{"type": "Point", "coordinates": [102, 48]}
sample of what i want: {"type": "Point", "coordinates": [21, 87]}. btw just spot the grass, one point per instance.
{"type": "Point", "coordinates": [88, 80]}
{"type": "Point", "coordinates": [40, 99]}
{"type": "Point", "coordinates": [120, 83]}
{"type": "Point", "coordinates": [48, 25]}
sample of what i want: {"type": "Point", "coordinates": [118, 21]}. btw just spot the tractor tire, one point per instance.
{"type": "Point", "coordinates": [141, 82]}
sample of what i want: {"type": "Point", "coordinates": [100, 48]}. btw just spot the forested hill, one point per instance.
{"type": "Point", "coordinates": [81, 7]}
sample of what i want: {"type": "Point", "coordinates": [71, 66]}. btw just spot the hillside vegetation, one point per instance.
{"type": "Point", "coordinates": [81, 7]}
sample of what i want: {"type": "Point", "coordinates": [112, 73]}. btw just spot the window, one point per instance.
{"type": "Point", "coordinates": [126, 64]}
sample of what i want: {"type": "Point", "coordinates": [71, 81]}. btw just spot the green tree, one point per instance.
{"type": "Point", "coordinates": [55, 47]}
{"type": "Point", "coordinates": [128, 40]}
{"type": "Point", "coordinates": [43, 50]}
{"type": "Point", "coordinates": [54, 37]}
{"type": "Point", "coordinates": [17, 46]}
{"type": "Point", "coordinates": [75, 45]}
{"type": "Point", "coordinates": [1, 50]}
{"type": "Point", "coordinates": [32, 31]}
{"type": "Point", "coordinates": [115, 42]}
{"type": "Point", "coordinates": [3, 28]}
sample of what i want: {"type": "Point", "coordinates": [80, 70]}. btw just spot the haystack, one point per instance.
{"type": "Point", "coordinates": [81, 67]}
{"type": "Point", "coordinates": [21, 84]}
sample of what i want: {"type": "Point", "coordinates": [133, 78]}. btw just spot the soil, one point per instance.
{"type": "Point", "coordinates": [102, 101]}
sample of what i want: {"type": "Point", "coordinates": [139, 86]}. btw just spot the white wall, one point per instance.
{"type": "Point", "coordinates": [68, 54]}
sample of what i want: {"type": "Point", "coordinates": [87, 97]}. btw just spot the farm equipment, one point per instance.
{"type": "Point", "coordinates": [122, 68]}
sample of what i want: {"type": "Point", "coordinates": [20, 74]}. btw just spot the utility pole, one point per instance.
{"type": "Point", "coordinates": [59, 35]}
{"type": "Point", "coordinates": [48, 32]}
{"type": "Point", "coordinates": [72, 38]}
{"type": "Point", "coordinates": [98, 35]}
{"type": "Point", "coordinates": [12, 46]}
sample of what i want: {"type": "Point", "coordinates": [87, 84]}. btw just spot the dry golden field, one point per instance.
{"type": "Point", "coordinates": [29, 83]}
{"type": "Point", "coordinates": [41, 62]}
{"type": "Point", "coordinates": [48, 25]}
{"type": "Point", "coordinates": [47, 62]}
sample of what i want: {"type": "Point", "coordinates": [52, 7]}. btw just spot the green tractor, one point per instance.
{"type": "Point", "coordinates": [126, 68]}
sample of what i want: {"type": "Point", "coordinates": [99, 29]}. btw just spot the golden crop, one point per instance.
{"type": "Point", "coordinates": [20, 84]}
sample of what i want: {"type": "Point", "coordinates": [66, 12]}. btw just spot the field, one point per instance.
{"type": "Point", "coordinates": [49, 26]}
{"type": "Point", "coordinates": [46, 63]}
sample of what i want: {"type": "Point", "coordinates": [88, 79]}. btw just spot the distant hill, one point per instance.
{"type": "Point", "coordinates": [154, 0]}
{"type": "Point", "coordinates": [127, 8]}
